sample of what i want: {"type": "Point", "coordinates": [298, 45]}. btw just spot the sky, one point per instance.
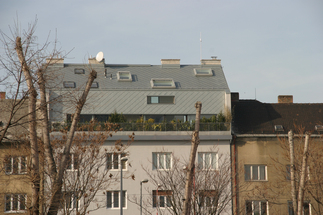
{"type": "Point", "coordinates": [267, 48]}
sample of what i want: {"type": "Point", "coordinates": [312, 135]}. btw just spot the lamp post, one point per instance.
{"type": "Point", "coordinates": [158, 186]}
{"type": "Point", "coordinates": [143, 181]}
{"type": "Point", "coordinates": [124, 159]}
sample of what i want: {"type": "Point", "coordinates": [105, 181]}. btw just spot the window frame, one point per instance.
{"type": "Point", "coordinates": [79, 71]}
{"type": "Point", "coordinates": [95, 84]}
{"type": "Point", "coordinates": [12, 199]}
{"type": "Point", "coordinates": [70, 195]}
{"type": "Point", "coordinates": [112, 155]}
{"type": "Point", "coordinates": [72, 162]}
{"type": "Point", "coordinates": [119, 199]}
{"type": "Point", "coordinates": [207, 197]}
{"type": "Point", "coordinates": [160, 99]}
{"type": "Point", "coordinates": [10, 160]}
{"type": "Point", "coordinates": [198, 72]}
{"type": "Point", "coordinates": [156, 83]}
{"type": "Point", "coordinates": [163, 196]}
{"type": "Point", "coordinates": [120, 76]}
{"type": "Point", "coordinates": [68, 84]}
{"type": "Point", "coordinates": [290, 206]}
{"type": "Point", "coordinates": [203, 161]}
{"type": "Point", "coordinates": [251, 172]}
{"type": "Point", "coordinates": [260, 202]}
{"type": "Point", "coordinates": [156, 164]}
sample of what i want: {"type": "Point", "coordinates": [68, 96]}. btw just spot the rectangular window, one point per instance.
{"type": "Point", "coordinates": [256, 207]}
{"type": "Point", "coordinates": [113, 161]}
{"type": "Point", "coordinates": [160, 99]}
{"type": "Point", "coordinates": [79, 71]}
{"type": "Point", "coordinates": [113, 199]}
{"type": "Point", "coordinates": [255, 172]}
{"type": "Point", "coordinates": [95, 85]}
{"type": "Point", "coordinates": [15, 202]}
{"type": "Point", "coordinates": [207, 160]}
{"type": "Point", "coordinates": [124, 76]}
{"type": "Point", "coordinates": [288, 176]}
{"type": "Point", "coordinates": [306, 208]}
{"type": "Point", "coordinates": [208, 198]}
{"type": "Point", "coordinates": [71, 200]}
{"type": "Point", "coordinates": [72, 162]}
{"type": "Point", "coordinates": [162, 83]}
{"type": "Point", "coordinates": [162, 198]}
{"type": "Point", "coordinates": [16, 165]}
{"type": "Point", "coordinates": [162, 160]}
{"type": "Point", "coordinates": [69, 84]}
{"type": "Point", "coordinates": [203, 72]}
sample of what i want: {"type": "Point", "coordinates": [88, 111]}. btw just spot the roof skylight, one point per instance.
{"type": "Point", "coordinates": [279, 128]}
{"type": "Point", "coordinates": [69, 84]}
{"type": "Point", "coordinates": [203, 72]}
{"type": "Point", "coordinates": [95, 85]}
{"type": "Point", "coordinates": [124, 76]}
{"type": "Point", "coordinates": [79, 71]}
{"type": "Point", "coordinates": [162, 83]}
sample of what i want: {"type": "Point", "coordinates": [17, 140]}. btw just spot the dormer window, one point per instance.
{"type": "Point", "coordinates": [95, 85]}
{"type": "Point", "coordinates": [69, 84]}
{"type": "Point", "coordinates": [318, 127]}
{"type": "Point", "coordinates": [124, 76]}
{"type": "Point", "coordinates": [162, 83]}
{"type": "Point", "coordinates": [79, 71]}
{"type": "Point", "coordinates": [279, 128]}
{"type": "Point", "coordinates": [203, 72]}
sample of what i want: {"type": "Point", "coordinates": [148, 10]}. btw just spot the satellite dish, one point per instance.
{"type": "Point", "coordinates": [99, 56]}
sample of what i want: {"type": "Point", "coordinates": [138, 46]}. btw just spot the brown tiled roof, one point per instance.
{"type": "Point", "coordinates": [254, 117]}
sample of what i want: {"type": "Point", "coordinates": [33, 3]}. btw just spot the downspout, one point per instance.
{"type": "Point", "coordinates": [234, 170]}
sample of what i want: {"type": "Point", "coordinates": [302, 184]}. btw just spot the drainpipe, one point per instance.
{"type": "Point", "coordinates": [234, 170]}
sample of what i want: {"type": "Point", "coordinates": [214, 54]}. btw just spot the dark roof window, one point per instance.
{"type": "Point", "coordinates": [69, 84]}
{"type": "Point", "coordinates": [279, 128]}
{"type": "Point", "coordinates": [124, 76]}
{"type": "Point", "coordinates": [318, 127]}
{"type": "Point", "coordinates": [79, 71]}
{"type": "Point", "coordinates": [95, 85]}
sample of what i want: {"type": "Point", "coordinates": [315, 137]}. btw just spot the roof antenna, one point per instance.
{"type": "Point", "coordinates": [200, 46]}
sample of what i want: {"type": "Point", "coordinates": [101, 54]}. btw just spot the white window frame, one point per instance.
{"type": "Point", "coordinates": [72, 161]}
{"type": "Point", "coordinates": [259, 206]}
{"type": "Point", "coordinates": [157, 198]}
{"type": "Point", "coordinates": [251, 172]}
{"type": "Point", "coordinates": [119, 199]}
{"type": "Point", "coordinates": [162, 83]}
{"type": "Point", "coordinates": [204, 156]}
{"type": "Point", "coordinates": [120, 155]}
{"type": "Point", "coordinates": [157, 165]}
{"type": "Point", "coordinates": [124, 76]}
{"type": "Point", "coordinates": [10, 161]}
{"type": "Point", "coordinates": [11, 195]}
{"type": "Point", "coordinates": [290, 205]}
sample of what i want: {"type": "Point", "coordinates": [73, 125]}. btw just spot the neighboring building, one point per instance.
{"type": "Point", "coordinates": [260, 154]}
{"type": "Point", "coordinates": [163, 95]}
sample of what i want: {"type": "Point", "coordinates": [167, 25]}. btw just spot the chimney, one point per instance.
{"type": "Point", "coordinates": [213, 61]}
{"type": "Point", "coordinates": [170, 63]}
{"type": "Point", "coordinates": [94, 62]}
{"type": "Point", "coordinates": [234, 97]}
{"type": "Point", "coordinates": [2, 95]}
{"type": "Point", "coordinates": [288, 99]}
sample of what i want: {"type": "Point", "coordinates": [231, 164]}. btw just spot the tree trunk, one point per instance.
{"type": "Point", "coordinates": [303, 175]}
{"type": "Point", "coordinates": [292, 170]}
{"type": "Point", "coordinates": [191, 165]}
{"type": "Point", "coordinates": [58, 181]}
{"type": "Point", "coordinates": [34, 153]}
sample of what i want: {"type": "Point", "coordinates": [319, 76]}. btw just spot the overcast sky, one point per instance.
{"type": "Point", "coordinates": [267, 48]}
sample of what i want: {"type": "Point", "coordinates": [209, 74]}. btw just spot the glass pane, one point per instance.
{"type": "Point", "coordinates": [109, 161]}
{"type": "Point", "coordinates": [8, 202]}
{"type": "Point", "coordinates": [200, 160]}
{"type": "Point", "coordinates": [69, 163]}
{"type": "Point", "coordinates": [8, 161]}
{"type": "Point", "coordinates": [168, 160]}
{"type": "Point", "coordinates": [115, 161]}
{"type": "Point", "coordinates": [208, 201]}
{"type": "Point", "coordinates": [15, 202]}
{"type": "Point", "coordinates": [23, 167]}
{"type": "Point", "coordinates": [154, 198]}
{"type": "Point", "coordinates": [123, 163]}
{"type": "Point", "coordinates": [154, 99]}
{"type": "Point", "coordinates": [256, 208]}
{"type": "Point", "coordinates": [247, 173]}
{"type": "Point", "coordinates": [123, 199]}
{"type": "Point", "coordinates": [15, 165]}
{"type": "Point", "coordinates": [109, 200]}
{"type": "Point", "coordinates": [306, 208]}
{"type": "Point", "coordinates": [154, 161]}
{"type": "Point", "coordinates": [214, 161]}
{"type": "Point", "coordinates": [168, 199]}
{"type": "Point", "coordinates": [162, 201]}
{"type": "Point", "coordinates": [290, 208]}
{"type": "Point", "coordinates": [116, 199]}
{"type": "Point", "coordinates": [263, 208]}
{"type": "Point", "coordinates": [288, 176]}
{"type": "Point", "coordinates": [161, 161]}
{"type": "Point", "coordinates": [22, 202]}
{"type": "Point", "coordinates": [75, 161]}
{"type": "Point", "coordinates": [262, 170]}
{"type": "Point", "coordinates": [249, 208]}
{"type": "Point", "coordinates": [208, 160]}
{"type": "Point", "coordinates": [255, 173]}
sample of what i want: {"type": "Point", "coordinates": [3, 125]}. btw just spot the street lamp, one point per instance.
{"type": "Point", "coordinates": [158, 186]}
{"type": "Point", "coordinates": [124, 159]}
{"type": "Point", "coordinates": [143, 181]}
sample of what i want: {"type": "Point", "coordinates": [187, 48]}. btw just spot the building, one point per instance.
{"type": "Point", "coordinates": [260, 155]}
{"type": "Point", "coordinates": [157, 102]}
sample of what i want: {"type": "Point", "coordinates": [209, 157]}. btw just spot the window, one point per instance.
{"type": "Point", "coordinates": [16, 165]}
{"type": "Point", "coordinates": [288, 175]}
{"type": "Point", "coordinates": [95, 85]}
{"type": "Point", "coordinates": [255, 172]}
{"type": "Point", "coordinates": [124, 76]}
{"type": "Point", "coordinates": [71, 200]}
{"type": "Point", "coordinates": [72, 162]}
{"type": "Point", "coordinates": [162, 83]}
{"type": "Point", "coordinates": [162, 198]}
{"type": "Point", "coordinates": [113, 199]}
{"type": "Point", "coordinates": [15, 202]}
{"type": "Point", "coordinates": [69, 84]}
{"type": "Point", "coordinates": [203, 72]}
{"type": "Point", "coordinates": [306, 208]}
{"type": "Point", "coordinates": [160, 99]}
{"type": "Point", "coordinates": [256, 207]}
{"type": "Point", "coordinates": [79, 71]}
{"type": "Point", "coordinates": [113, 161]}
{"type": "Point", "coordinates": [162, 160]}
{"type": "Point", "coordinates": [207, 160]}
{"type": "Point", "coordinates": [207, 198]}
